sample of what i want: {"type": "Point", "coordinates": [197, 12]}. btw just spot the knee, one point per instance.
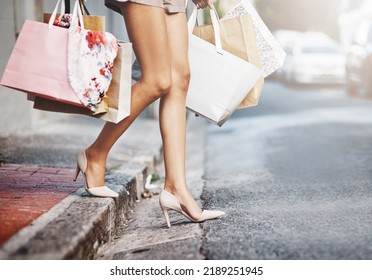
{"type": "Point", "coordinates": [158, 87]}
{"type": "Point", "coordinates": [181, 79]}
{"type": "Point", "coordinates": [162, 86]}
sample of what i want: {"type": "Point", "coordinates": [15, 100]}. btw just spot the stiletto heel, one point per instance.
{"type": "Point", "coordinates": [103, 191]}
{"type": "Point", "coordinates": [76, 172]}
{"type": "Point", "coordinates": [165, 211]}
{"type": "Point", "coordinates": [168, 202]}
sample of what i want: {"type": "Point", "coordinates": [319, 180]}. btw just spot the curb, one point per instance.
{"type": "Point", "coordinates": [79, 225]}
{"type": "Point", "coordinates": [138, 241]}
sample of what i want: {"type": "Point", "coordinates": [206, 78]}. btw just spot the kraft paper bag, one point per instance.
{"type": "Point", "coordinates": [238, 38]}
{"type": "Point", "coordinates": [118, 96]}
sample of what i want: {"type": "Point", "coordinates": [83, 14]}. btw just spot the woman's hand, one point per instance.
{"type": "Point", "coordinates": [201, 4]}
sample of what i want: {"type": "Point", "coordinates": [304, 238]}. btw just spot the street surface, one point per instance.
{"type": "Point", "coordinates": [294, 176]}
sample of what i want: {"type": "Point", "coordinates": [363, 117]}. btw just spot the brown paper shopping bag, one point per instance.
{"type": "Point", "coordinates": [238, 38]}
{"type": "Point", "coordinates": [118, 96]}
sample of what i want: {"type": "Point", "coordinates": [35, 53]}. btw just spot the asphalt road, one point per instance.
{"type": "Point", "coordinates": [294, 176]}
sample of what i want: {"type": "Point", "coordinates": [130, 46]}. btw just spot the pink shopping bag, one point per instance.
{"type": "Point", "coordinates": [38, 63]}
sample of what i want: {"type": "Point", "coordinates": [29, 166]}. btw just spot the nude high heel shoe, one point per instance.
{"type": "Point", "coordinates": [102, 191]}
{"type": "Point", "coordinates": [168, 201]}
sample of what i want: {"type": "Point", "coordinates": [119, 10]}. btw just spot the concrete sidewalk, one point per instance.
{"type": "Point", "coordinates": [43, 213]}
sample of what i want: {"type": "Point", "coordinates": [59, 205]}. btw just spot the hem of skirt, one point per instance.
{"type": "Point", "coordinates": [175, 9]}
{"type": "Point", "coordinates": [169, 9]}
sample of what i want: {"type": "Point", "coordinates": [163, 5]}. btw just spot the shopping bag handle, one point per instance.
{"type": "Point", "coordinates": [79, 6]}
{"type": "Point", "coordinates": [84, 8]}
{"type": "Point", "coordinates": [216, 28]}
{"type": "Point", "coordinates": [77, 16]}
{"type": "Point", "coordinates": [54, 14]}
{"type": "Point", "coordinates": [66, 7]}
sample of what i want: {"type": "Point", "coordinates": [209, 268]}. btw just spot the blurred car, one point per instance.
{"type": "Point", "coordinates": [359, 60]}
{"type": "Point", "coordinates": [286, 39]}
{"type": "Point", "coordinates": [315, 59]}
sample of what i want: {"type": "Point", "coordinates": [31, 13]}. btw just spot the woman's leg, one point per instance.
{"type": "Point", "coordinates": [148, 35]}
{"type": "Point", "coordinates": [173, 115]}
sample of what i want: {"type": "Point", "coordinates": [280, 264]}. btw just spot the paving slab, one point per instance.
{"type": "Point", "coordinates": [27, 192]}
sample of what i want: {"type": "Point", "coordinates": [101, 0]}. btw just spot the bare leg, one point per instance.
{"type": "Point", "coordinates": [173, 115]}
{"type": "Point", "coordinates": [160, 43]}
{"type": "Point", "coordinates": [148, 35]}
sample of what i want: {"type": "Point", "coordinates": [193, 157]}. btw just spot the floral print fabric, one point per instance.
{"type": "Point", "coordinates": [91, 56]}
{"type": "Point", "coordinates": [62, 20]}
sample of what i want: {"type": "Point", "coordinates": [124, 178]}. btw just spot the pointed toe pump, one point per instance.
{"type": "Point", "coordinates": [168, 201]}
{"type": "Point", "coordinates": [81, 166]}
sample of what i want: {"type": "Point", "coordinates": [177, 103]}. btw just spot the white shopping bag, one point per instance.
{"type": "Point", "coordinates": [219, 80]}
